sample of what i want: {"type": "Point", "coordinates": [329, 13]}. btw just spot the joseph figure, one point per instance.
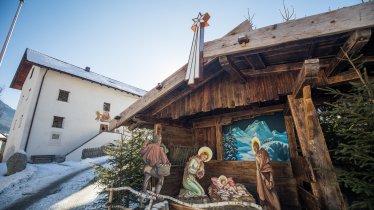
{"type": "Point", "coordinates": [265, 182]}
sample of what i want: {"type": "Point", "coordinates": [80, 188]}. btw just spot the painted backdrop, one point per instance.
{"type": "Point", "coordinates": [270, 130]}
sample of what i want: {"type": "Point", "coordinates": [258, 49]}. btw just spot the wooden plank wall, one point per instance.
{"type": "Point", "coordinates": [222, 92]}
{"type": "Point", "coordinates": [177, 136]}
{"type": "Point", "coordinates": [206, 137]}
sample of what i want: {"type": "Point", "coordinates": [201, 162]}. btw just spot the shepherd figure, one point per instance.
{"type": "Point", "coordinates": [156, 163]}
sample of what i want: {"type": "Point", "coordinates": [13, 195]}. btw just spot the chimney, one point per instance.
{"type": "Point", "coordinates": [87, 69]}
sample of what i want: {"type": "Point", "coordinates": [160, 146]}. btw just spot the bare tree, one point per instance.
{"type": "Point", "coordinates": [287, 14]}
{"type": "Point", "coordinates": [250, 20]}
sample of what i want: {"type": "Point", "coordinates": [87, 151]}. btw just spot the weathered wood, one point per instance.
{"type": "Point", "coordinates": [229, 68]}
{"type": "Point", "coordinates": [297, 110]}
{"type": "Point", "coordinates": [177, 136]}
{"type": "Point", "coordinates": [207, 137]}
{"type": "Point", "coordinates": [313, 145]}
{"type": "Point", "coordinates": [228, 118]}
{"type": "Point", "coordinates": [231, 94]}
{"type": "Point", "coordinates": [302, 170]}
{"type": "Point", "coordinates": [352, 47]}
{"type": "Point", "coordinates": [291, 136]}
{"type": "Point", "coordinates": [309, 200]}
{"type": "Point", "coordinates": [345, 77]}
{"type": "Point", "coordinates": [219, 142]}
{"type": "Point", "coordinates": [242, 27]}
{"type": "Point", "coordinates": [307, 76]}
{"type": "Point", "coordinates": [338, 21]}
{"type": "Point", "coordinates": [255, 61]}
{"type": "Point", "coordinates": [167, 103]}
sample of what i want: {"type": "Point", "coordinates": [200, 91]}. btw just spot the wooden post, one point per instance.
{"type": "Point", "coordinates": [219, 142]}
{"type": "Point", "coordinates": [323, 180]}
{"type": "Point", "coordinates": [291, 136]}
{"type": "Point", "coordinates": [110, 199]}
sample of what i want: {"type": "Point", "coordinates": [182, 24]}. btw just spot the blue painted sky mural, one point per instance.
{"type": "Point", "coordinates": [270, 130]}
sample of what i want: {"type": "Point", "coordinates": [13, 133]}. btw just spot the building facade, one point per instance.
{"type": "Point", "coordinates": [62, 106]}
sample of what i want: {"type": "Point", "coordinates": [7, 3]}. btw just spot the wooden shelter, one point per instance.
{"type": "Point", "coordinates": [277, 71]}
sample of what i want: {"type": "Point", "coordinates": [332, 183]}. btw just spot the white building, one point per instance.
{"type": "Point", "coordinates": [63, 107]}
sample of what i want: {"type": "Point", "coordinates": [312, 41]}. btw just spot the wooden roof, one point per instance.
{"type": "Point", "coordinates": [271, 60]}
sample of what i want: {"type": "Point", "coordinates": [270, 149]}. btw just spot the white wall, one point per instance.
{"type": "Point", "coordinates": [79, 113]}
{"type": "Point", "coordinates": [100, 140]}
{"type": "Point", "coordinates": [22, 117]}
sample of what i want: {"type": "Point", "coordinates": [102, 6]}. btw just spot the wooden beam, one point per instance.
{"type": "Point", "coordinates": [144, 120]}
{"type": "Point", "coordinates": [281, 68]}
{"type": "Point", "coordinates": [255, 61]}
{"type": "Point", "coordinates": [307, 76]}
{"type": "Point", "coordinates": [313, 145]}
{"type": "Point", "coordinates": [227, 118]}
{"type": "Point", "coordinates": [309, 200]}
{"type": "Point", "coordinates": [345, 77]}
{"type": "Point", "coordinates": [229, 68]}
{"type": "Point", "coordinates": [290, 128]}
{"type": "Point", "coordinates": [329, 23]}
{"type": "Point", "coordinates": [352, 47]}
{"type": "Point", "coordinates": [242, 27]}
{"type": "Point", "coordinates": [219, 142]}
{"type": "Point", "coordinates": [311, 49]}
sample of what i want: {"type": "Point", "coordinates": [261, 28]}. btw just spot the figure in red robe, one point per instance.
{"type": "Point", "coordinates": [153, 154]}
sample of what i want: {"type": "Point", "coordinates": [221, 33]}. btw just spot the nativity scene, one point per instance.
{"type": "Point", "coordinates": [240, 118]}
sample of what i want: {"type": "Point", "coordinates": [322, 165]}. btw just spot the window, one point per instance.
{"type": "Point", "coordinates": [55, 136]}
{"type": "Point", "coordinates": [63, 95]}
{"type": "Point", "coordinates": [55, 139]}
{"type": "Point", "coordinates": [106, 107]}
{"type": "Point", "coordinates": [57, 122]}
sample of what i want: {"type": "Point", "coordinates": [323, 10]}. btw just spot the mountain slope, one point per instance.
{"type": "Point", "coordinates": [6, 117]}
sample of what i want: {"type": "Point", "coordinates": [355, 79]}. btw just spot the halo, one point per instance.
{"type": "Point", "coordinates": [255, 139]}
{"type": "Point", "coordinates": [207, 151]}
{"type": "Point", "coordinates": [222, 179]}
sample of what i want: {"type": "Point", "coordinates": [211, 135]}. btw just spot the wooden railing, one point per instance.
{"type": "Point", "coordinates": [153, 196]}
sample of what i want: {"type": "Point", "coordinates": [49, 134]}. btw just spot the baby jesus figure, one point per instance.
{"type": "Point", "coordinates": [225, 189]}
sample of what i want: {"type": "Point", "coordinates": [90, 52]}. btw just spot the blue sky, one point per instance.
{"type": "Point", "coordinates": [138, 42]}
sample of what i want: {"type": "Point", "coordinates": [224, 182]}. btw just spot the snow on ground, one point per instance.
{"type": "Point", "coordinates": [38, 176]}
{"type": "Point", "coordinates": [73, 194]}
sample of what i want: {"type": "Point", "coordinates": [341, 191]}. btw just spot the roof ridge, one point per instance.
{"type": "Point", "coordinates": [84, 71]}
{"type": "Point", "coordinates": [54, 58]}
{"type": "Point", "coordinates": [115, 80]}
